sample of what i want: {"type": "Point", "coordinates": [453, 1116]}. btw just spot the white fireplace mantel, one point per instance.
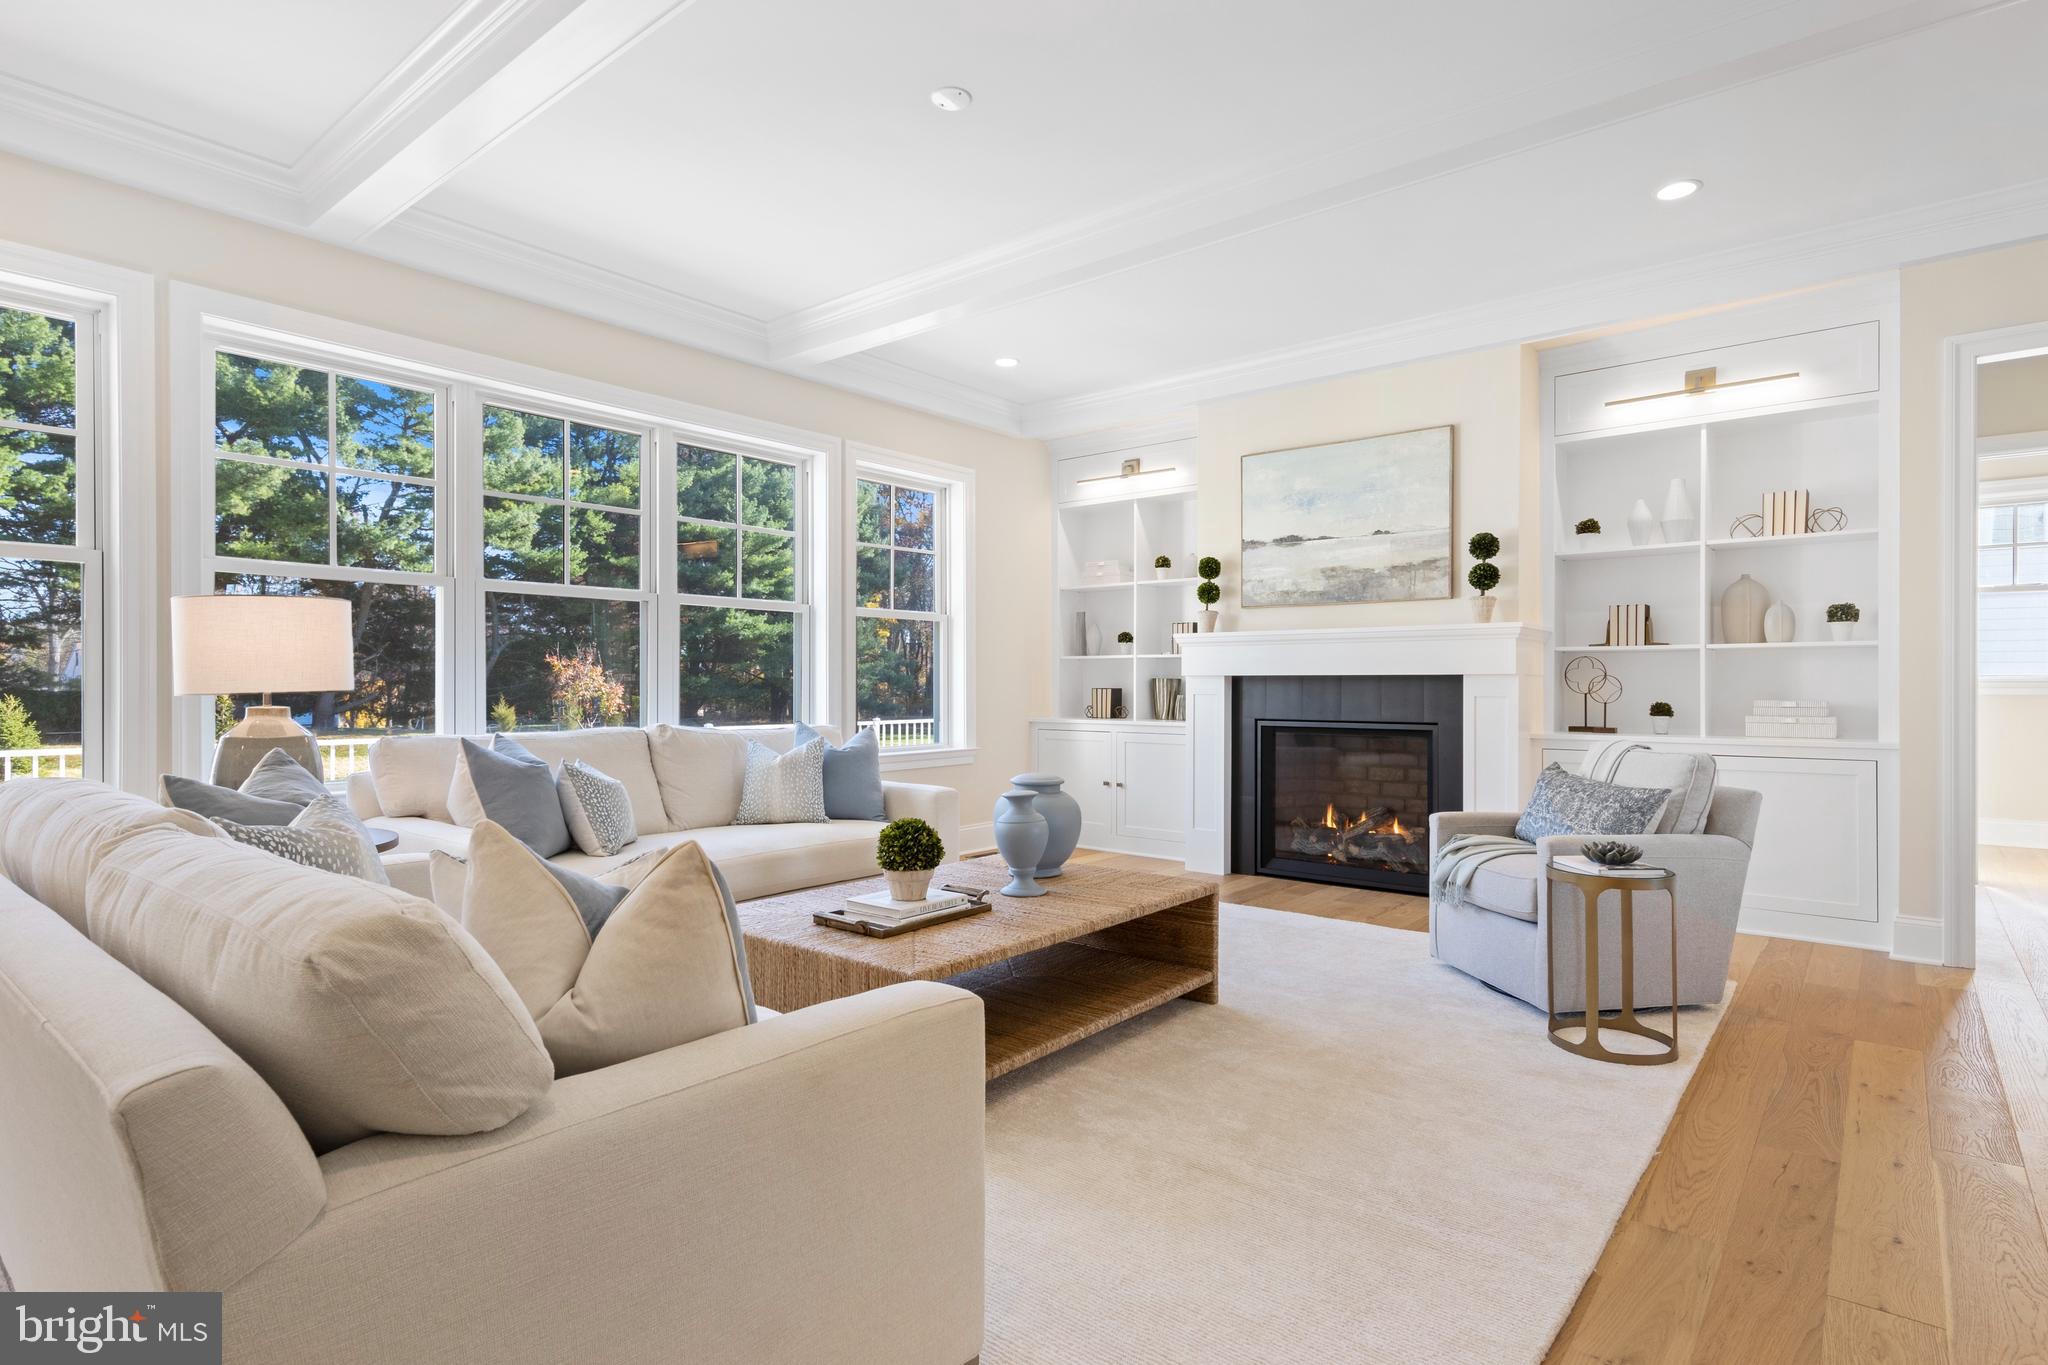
{"type": "Point", "coordinates": [1501, 663]}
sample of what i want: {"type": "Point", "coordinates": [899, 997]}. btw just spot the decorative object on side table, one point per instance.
{"type": "Point", "coordinates": [1681, 523]}
{"type": "Point", "coordinates": [1641, 525]}
{"type": "Point", "coordinates": [1588, 677]}
{"type": "Point", "coordinates": [1208, 569]}
{"type": "Point", "coordinates": [1161, 567]}
{"type": "Point", "coordinates": [907, 851]}
{"type": "Point", "coordinates": [1611, 852]}
{"type": "Point", "coordinates": [1842, 619]}
{"type": "Point", "coordinates": [1062, 818]}
{"type": "Point", "coordinates": [1106, 703]}
{"type": "Point", "coordinates": [1742, 611]}
{"type": "Point", "coordinates": [1021, 839]}
{"type": "Point", "coordinates": [1350, 521]}
{"type": "Point", "coordinates": [1660, 717]}
{"type": "Point", "coordinates": [1483, 576]}
{"type": "Point", "coordinates": [1125, 639]}
{"type": "Point", "coordinates": [238, 643]}
{"type": "Point", "coordinates": [1780, 625]}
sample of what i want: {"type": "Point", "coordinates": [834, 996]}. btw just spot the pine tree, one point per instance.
{"type": "Point", "coordinates": [18, 729]}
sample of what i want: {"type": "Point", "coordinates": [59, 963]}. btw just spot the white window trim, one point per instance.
{"type": "Point", "coordinates": [956, 589]}
{"type": "Point", "coordinates": [203, 320]}
{"type": "Point", "coordinates": [116, 423]}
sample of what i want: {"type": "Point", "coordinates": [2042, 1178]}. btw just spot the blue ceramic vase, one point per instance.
{"type": "Point", "coordinates": [1062, 820]}
{"type": "Point", "coordinates": [1021, 835]}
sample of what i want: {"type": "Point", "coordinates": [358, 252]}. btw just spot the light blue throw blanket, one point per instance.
{"type": "Point", "coordinates": [1461, 857]}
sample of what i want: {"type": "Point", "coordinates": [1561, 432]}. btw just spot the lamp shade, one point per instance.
{"type": "Point", "coordinates": [243, 642]}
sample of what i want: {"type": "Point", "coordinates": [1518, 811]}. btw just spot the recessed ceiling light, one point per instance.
{"type": "Point", "coordinates": [952, 98]}
{"type": "Point", "coordinates": [1678, 189]}
{"type": "Point", "coordinates": [1006, 362]}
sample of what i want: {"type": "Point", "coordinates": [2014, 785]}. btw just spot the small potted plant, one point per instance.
{"type": "Point", "coordinates": [907, 851]}
{"type": "Point", "coordinates": [1842, 619]}
{"type": "Point", "coordinates": [1161, 567]}
{"type": "Point", "coordinates": [1126, 640]}
{"type": "Point", "coordinates": [1660, 717]}
{"type": "Point", "coordinates": [1206, 591]}
{"type": "Point", "coordinates": [1484, 577]}
{"type": "Point", "coordinates": [1588, 527]}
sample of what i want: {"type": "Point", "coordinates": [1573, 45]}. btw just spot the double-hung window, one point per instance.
{"type": "Point", "coordinates": [2012, 590]}
{"type": "Point", "coordinates": [327, 483]}
{"type": "Point", "coordinates": [49, 562]}
{"type": "Point", "coordinates": [900, 625]}
{"type": "Point", "coordinates": [561, 550]}
{"type": "Point", "coordinates": [740, 581]}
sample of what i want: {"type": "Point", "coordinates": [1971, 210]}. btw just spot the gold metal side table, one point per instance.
{"type": "Point", "coordinates": [1590, 887]}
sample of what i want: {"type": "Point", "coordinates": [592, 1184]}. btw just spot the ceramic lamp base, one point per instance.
{"type": "Point", "coordinates": [263, 728]}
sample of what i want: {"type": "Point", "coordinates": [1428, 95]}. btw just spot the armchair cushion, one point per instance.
{"type": "Point", "coordinates": [1688, 777]}
{"type": "Point", "coordinates": [1507, 886]}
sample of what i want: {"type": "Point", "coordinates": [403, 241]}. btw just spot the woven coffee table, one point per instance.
{"type": "Point", "coordinates": [1100, 947]}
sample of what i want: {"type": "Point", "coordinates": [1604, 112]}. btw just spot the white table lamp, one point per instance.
{"type": "Point", "coordinates": [238, 643]}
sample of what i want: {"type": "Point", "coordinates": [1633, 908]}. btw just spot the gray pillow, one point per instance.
{"type": "Point", "coordinates": [1688, 777]}
{"type": "Point", "coordinates": [225, 803]}
{"type": "Point", "coordinates": [853, 775]}
{"type": "Point", "coordinates": [326, 835]}
{"type": "Point", "coordinates": [594, 900]}
{"type": "Point", "coordinates": [515, 788]}
{"type": "Point", "coordinates": [278, 777]}
{"type": "Point", "coordinates": [1566, 804]}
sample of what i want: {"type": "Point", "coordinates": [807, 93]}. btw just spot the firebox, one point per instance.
{"type": "Point", "coordinates": [1338, 778]}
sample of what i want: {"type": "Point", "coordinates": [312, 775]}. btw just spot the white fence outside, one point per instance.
{"type": "Point", "coordinates": [61, 761]}
{"type": "Point", "coordinates": [903, 733]}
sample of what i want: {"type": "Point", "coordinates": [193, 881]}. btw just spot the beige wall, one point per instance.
{"type": "Point", "coordinates": [61, 211]}
{"type": "Point", "coordinates": [1490, 396]}
{"type": "Point", "coordinates": [1990, 289]}
{"type": "Point", "coordinates": [2012, 397]}
{"type": "Point", "coordinates": [2012, 731]}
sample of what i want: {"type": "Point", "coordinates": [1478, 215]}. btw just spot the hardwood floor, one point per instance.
{"type": "Point", "coordinates": [1859, 1169]}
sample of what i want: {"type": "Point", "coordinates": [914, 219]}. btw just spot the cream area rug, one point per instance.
{"type": "Point", "coordinates": [1358, 1155]}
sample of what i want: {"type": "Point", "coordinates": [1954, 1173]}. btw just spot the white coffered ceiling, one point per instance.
{"type": "Point", "coordinates": [1150, 202]}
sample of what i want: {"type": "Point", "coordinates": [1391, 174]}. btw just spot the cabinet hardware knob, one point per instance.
{"type": "Point", "coordinates": [1105, 782]}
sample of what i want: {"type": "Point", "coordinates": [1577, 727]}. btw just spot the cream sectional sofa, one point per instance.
{"type": "Point", "coordinates": [683, 1205]}
{"type": "Point", "coordinates": [684, 783]}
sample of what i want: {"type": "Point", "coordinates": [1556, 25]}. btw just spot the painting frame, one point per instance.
{"type": "Point", "coordinates": [1264, 586]}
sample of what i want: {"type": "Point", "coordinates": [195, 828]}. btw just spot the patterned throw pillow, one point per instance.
{"type": "Point", "coordinates": [326, 835]}
{"type": "Point", "coordinates": [783, 789]}
{"type": "Point", "coordinates": [598, 810]}
{"type": "Point", "coordinates": [1567, 804]}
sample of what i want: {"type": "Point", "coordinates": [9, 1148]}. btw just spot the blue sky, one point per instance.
{"type": "Point", "coordinates": [1351, 488]}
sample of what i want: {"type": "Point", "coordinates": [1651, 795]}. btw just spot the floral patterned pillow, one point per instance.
{"type": "Point", "coordinates": [1567, 804]}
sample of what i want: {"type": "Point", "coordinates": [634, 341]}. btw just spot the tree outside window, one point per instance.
{"type": "Point", "coordinates": [739, 520]}
{"type": "Point", "coordinates": [899, 611]}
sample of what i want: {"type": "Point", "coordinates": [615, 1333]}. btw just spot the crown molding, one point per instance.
{"type": "Point", "coordinates": [1178, 426]}
{"type": "Point", "coordinates": [1801, 261]}
{"type": "Point", "coordinates": [877, 377]}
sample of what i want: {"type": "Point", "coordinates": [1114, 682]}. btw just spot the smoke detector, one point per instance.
{"type": "Point", "coordinates": [952, 98]}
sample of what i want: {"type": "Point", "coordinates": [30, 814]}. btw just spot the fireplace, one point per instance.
{"type": "Point", "coordinates": [1338, 777]}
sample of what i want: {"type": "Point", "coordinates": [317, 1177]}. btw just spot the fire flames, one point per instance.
{"type": "Point", "coordinates": [1330, 821]}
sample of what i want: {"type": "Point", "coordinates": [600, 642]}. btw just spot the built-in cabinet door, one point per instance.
{"type": "Point", "coordinates": [1087, 760]}
{"type": "Point", "coordinates": [1816, 839]}
{"type": "Point", "coordinates": [1152, 785]}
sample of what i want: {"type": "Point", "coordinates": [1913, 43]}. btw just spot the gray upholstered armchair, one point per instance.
{"type": "Point", "coordinates": [1496, 930]}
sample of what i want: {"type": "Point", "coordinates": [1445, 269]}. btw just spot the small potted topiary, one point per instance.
{"type": "Point", "coordinates": [1125, 639]}
{"type": "Point", "coordinates": [1589, 527]}
{"type": "Point", "coordinates": [1660, 717]}
{"type": "Point", "coordinates": [1484, 577]}
{"type": "Point", "coordinates": [1842, 619]}
{"type": "Point", "coordinates": [1206, 592]}
{"type": "Point", "coordinates": [1161, 567]}
{"type": "Point", "coordinates": [907, 850]}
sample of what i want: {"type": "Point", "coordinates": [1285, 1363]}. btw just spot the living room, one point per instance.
{"type": "Point", "coordinates": [908, 683]}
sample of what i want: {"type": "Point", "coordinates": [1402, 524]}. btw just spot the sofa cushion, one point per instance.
{"type": "Point", "coordinates": [1566, 804]}
{"type": "Point", "coordinates": [596, 808]}
{"type": "Point", "coordinates": [1688, 777]}
{"type": "Point", "coordinates": [366, 1010]}
{"type": "Point", "coordinates": [1507, 885]}
{"type": "Point", "coordinates": [853, 776]}
{"type": "Point", "coordinates": [665, 967]}
{"type": "Point", "coordinates": [52, 829]}
{"type": "Point", "coordinates": [412, 772]}
{"type": "Point", "coordinates": [515, 788]}
{"type": "Point", "coordinates": [765, 860]}
{"type": "Point", "coordinates": [326, 835]}
{"type": "Point", "coordinates": [783, 789]}
{"type": "Point", "coordinates": [699, 771]}
{"type": "Point", "coordinates": [619, 752]}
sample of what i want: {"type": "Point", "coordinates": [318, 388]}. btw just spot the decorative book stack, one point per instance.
{"type": "Point", "coordinates": [1786, 511]}
{"type": "Point", "coordinates": [1628, 623]}
{"type": "Point", "coordinates": [1789, 720]}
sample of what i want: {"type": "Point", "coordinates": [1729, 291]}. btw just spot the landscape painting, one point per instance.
{"type": "Point", "coordinates": [1352, 521]}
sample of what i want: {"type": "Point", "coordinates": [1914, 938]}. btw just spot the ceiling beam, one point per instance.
{"type": "Point", "coordinates": [1140, 233]}
{"type": "Point", "coordinates": [489, 68]}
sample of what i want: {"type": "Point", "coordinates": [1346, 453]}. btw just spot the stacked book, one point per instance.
{"type": "Point", "coordinates": [1628, 623]}
{"type": "Point", "coordinates": [881, 908]}
{"type": "Point", "coordinates": [1580, 863]}
{"type": "Point", "coordinates": [1789, 720]}
{"type": "Point", "coordinates": [1786, 511]}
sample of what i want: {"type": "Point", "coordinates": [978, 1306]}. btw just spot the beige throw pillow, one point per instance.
{"type": "Point", "coordinates": [666, 967]}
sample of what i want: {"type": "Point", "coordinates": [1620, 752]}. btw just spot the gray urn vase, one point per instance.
{"type": "Point", "coordinates": [1062, 819]}
{"type": "Point", "coordinates": [1021, 836]}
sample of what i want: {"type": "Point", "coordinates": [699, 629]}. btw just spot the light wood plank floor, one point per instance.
{"type": "Point", "coordinates": [1859, 1169]}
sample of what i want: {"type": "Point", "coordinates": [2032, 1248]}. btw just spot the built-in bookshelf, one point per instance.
{"type": "Point", "coordinates": [1103, 556]}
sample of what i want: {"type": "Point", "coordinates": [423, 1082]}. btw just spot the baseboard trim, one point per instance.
{"type": "Point", "coordinates": [2013, 833]}
{"type": "Point", "coordinates": [976, 840]}
{"type": "Point", "coordinates": [1917, 938]}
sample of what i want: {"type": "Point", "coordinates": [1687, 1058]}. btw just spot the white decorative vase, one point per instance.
{"type": "Point", "coordinates": [1660, 725]}
{"type": "Point", "coordinates": [1742, 612]}
{"type": "Point", "coordinates": [1482, 608]}
{"type": "Point", "coordinates": [1779, 624]}
{"type": "Point", "coordinates": [1094, 639]}
{"type": "Point", "coordinates": [908, 886]}
{"type": "Point", "coordinates": [1841, 630]}
{"type": "Point", "coordinates": [1681, 523]}
{"type": "Point", "coordinates": [1641, 525]}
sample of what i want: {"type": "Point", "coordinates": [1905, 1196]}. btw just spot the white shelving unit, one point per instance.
{"type": "Point", "coordinates": [1129, 532]}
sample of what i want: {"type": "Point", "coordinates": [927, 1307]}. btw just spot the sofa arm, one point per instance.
{"type": "Point", "coordinates": [412, 873]}
{"type": "Point", "coordinates": [808, 1188]}
{"type": "Point", "coordinates": [362, 795]}
{"type": "Point", "coordinates": [938, 807]}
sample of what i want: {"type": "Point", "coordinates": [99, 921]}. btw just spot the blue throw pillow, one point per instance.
{"type": "Point", "coordinates": [853, 775]}
{"type": "Point", "coordinates": [1566, 804]}
{"type": "Point", "coordinates": [515, 788]}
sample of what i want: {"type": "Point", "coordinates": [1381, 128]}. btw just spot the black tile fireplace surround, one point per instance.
{"type": "Point", "coordinates": [1337, 777]}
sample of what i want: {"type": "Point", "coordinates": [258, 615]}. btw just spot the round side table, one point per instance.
{"type": "Point", "coordinates": [1590, 888]}
{"type": "Point", "coordinates": [382, 838]}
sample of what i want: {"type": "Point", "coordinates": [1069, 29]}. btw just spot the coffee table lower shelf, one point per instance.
{"type": "Point", "coordinates": [1042, 1001]}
